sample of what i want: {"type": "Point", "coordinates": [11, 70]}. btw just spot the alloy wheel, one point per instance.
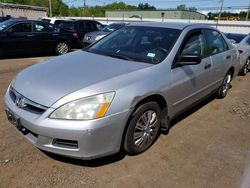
{"type": "Point", "coordinates": [62, 48]}
{"type": "Point", "coordinates": [146, 129]}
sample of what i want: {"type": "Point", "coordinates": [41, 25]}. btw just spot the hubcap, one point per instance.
{"type": "Point", "coordinates": [248, 65]}
{"type": "Point", "coordinates": [62, 48]}
{"type": "Point", "coordinates": [226, 83]}
{"type": "Point", "coordinates": [145, 129]}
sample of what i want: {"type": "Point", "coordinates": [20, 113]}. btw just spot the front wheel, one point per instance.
{"type": "Point", "coordinates": [225, 86]}
{"type": "Point", "coordinates": [143, 128]}
{"type": "Point", "coordinates": [62, 48]}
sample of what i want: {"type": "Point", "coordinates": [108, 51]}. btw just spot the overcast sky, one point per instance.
{"type": "Point", "coordinates": [202, 5]}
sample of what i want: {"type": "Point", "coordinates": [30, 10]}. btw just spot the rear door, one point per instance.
{"type": "Point", "coordinates": [220, 55]}
{"type": "Point", "coordinates": [190, 82]}
{"type": "Point", "coordinates": [20, 38]}
{"type": "Point", "coordinates": [46, 35]}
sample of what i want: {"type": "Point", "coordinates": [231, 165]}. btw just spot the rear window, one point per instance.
{"type": "Point", "coordinates": [68, 26]}
{"type": "Point", "coordinates": [236, 37]}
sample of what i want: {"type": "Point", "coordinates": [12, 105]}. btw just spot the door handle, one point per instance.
{"type": "Point", "coordinates": [31, 35]}
{"type": "Point", "coordinates": [228, 57]}
{"type": "Point", "coordinates": [208, 66]}
{"type": "Point", "coordinates": [54, 34]}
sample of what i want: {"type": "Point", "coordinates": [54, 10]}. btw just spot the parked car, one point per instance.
{"type": "Point", "coordinates": [81, 27]}
{"type": "Point", "coordinates": [27, 36]}
{"type": "Point", "coordinates": [94, 36]}
{"type": "Point", "coordinates": [119, 92]}
{"type": "Point", "coordinates": [242, 42]}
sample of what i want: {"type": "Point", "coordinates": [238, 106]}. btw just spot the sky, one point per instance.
{"type": "Point", "coordinates": [203, 6]}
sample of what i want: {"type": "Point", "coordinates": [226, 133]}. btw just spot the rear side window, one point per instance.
{"type": "Point", "coordinates": [21, 27]}
{"type": "Point", "coordinates": [194, 45]}
{"type": "Point", "coordinates": [68, 26]}
{"type": "Point", "coordinates": [39, 27]}
{"type": "Point", "coordinates": [89, 26]}
{"type": "Point", "coordinates": [215, 42]}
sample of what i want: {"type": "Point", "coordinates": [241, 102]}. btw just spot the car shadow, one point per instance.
{"type": "Point", "coordinates": [121, 155]}
{"type": "Point", "coordinates": [21, 56]}
{"type": "Point", "coordinates": [192, 110]}
{"type": "Point", "coordinates": [29, 55]}
{"type": "Point", "coordinates": [88, 163]}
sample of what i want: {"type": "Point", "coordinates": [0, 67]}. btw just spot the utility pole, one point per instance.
{"type": "Point", "coordinates": [221, 8]}
{"type": "Point", "coordinates": [84, 7]}
{"type": "Point", "coordinates": [248, 10]}
{"type": "Point", "coordinates": [50, 9]}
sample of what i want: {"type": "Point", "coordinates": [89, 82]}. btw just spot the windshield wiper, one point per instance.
{"type": "Point", "coordinates": [115, 55]}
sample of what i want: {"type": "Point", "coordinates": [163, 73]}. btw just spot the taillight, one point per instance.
{"type": "Point", "coordinates": [75, 36]}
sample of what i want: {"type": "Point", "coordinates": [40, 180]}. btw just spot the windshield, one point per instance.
{"type": "Point", "coordinates": [136, 43]}
{"type": "Point", "coordinates": [236, 37]}
{"type": "Point", "coordinates": [112, 27]}
{"type": "Point", "coordinates": [6, 24]}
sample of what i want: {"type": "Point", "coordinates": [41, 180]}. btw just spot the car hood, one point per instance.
{"type": "Point", "coordinates": [96, 33]}
{"type": "Point", "coordinates": [47, 82]}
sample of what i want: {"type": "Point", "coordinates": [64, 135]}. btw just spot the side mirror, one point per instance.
{"type": "Point", "coordinates": [189, 60]}
{"type": "Point", "coordinates": [9, 32]}
{"type": "Point", "coordinates": [232, 41]}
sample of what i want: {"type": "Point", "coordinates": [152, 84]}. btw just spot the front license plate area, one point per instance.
{"type": "Point", "coordinates": [13, 119]}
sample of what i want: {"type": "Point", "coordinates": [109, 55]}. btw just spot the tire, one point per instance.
{"type": "Point", "coordinates": [245, 69]}
{"type": "Point", "coordinates": [62, 48]}
{"type": "Point", "coordinates": [143, 128]}
{"type": "Point", "coordinates": [225, 86]}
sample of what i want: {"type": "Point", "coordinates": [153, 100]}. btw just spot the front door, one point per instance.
{"type": "Point", "coordinates": [19, 38]}
{"type": "Point", "coordinates": [191, 82]}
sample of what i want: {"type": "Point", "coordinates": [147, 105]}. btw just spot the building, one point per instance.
{"type": "Point", "coordinates": [166, 14]}
{"type": "Point", "coordinates": [22, 11]}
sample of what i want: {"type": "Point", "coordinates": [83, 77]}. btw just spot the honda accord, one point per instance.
{"type": "Point", "coordinates": [120, 92]}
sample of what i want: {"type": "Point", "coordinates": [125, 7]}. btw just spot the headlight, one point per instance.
{"type": "Point", "coordinates": [99, 37]}
{"type": "Point", "coordinates": [85, 109]}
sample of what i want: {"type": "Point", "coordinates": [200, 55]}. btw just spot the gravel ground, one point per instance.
{"type": "Point", "coordinates": [207, 146]}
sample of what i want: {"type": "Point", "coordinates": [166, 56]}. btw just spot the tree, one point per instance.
{"type": "Point", "coordinates": [194, 9]}
{"type": "Point", "coordinates": [146, 6]}
{"type": "Point", "coordinates": [181, 7]}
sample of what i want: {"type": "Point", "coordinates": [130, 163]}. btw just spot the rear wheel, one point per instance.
{"type": "Point", "coordinates": [62, 48]}
{"type": "Point", "coordinates": [225, 86]}
{"type": "Point", "coordinates": [246, 68]}
{"type": "Point", "coordinates": [143, 128]}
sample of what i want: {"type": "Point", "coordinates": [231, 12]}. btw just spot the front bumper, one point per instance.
{"type": "Point", "coordinates": [94, 138]}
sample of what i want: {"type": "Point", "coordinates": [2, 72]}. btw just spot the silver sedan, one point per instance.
{"type": "Point", "coordinates": [120, 92]}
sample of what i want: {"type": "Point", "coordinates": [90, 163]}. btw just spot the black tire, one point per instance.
{"type": "Point", "coordinates": [225, 86]}
{"type": "Point", "coordinates": [143, 128]}
{"type": "Point", "coordinates": [62, 48]}
{"type": "Point", "coordinates": [245, 68]}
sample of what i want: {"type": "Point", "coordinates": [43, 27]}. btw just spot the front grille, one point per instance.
{"type": "Point", "coordinates": [72, 144]}
{"type": "Point", "coordinates": [27, 104]}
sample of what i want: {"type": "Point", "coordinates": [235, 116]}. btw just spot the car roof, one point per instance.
{"type": "Point", "coordinates": [25, 20]}
{"type": "Point", "coordinates": [236, 34]}
{"type": "Point", "coordinates": [172, 25]}
{"type": "Point", "coordinates": [72, 21]}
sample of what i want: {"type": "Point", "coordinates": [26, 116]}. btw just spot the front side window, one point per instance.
{"type": "Point", "coordinates": [98, 26]}
{"type": "Point", "coordinates": [194, 45]}
{"type": "Point", "coordinates": [248, 41]}
{"type": "Point", "coordinates": [39, 27]}
{"type": "Point", "coordinates": [112, 27]}
{"type": "Point", "coordinates": [21, 27]}
{"type": "Point", "coordinates": [143, 44]}
{"type": "Point", "coordinates": [215, 42]}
